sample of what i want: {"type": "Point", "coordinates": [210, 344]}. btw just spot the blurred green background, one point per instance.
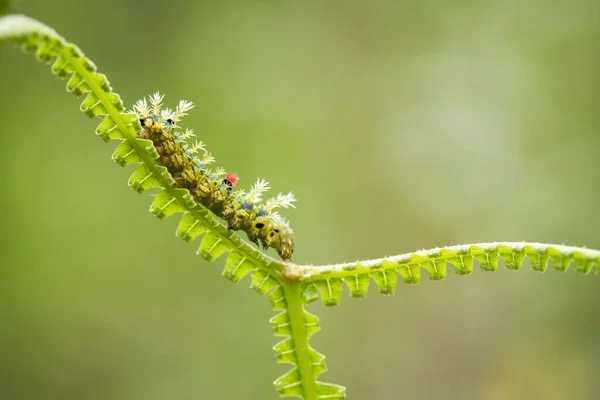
{"type": "Point", "coordinates": [399, 125]}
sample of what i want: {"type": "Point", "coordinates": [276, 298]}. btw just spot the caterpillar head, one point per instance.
{"type": "Point", "coordinates": [275, 232]}
{"type": "Point", "coordinates": [283, 241]}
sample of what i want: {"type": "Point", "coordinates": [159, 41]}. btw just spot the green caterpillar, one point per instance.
{"type": "Point", "coordinates": [214, 188]}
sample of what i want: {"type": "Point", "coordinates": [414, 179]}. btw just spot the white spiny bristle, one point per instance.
{"type": "Point", "coordinates": [184, 106]}
{"type": "Point", "coordinates": [166, 114]}
{"type": "Point", "coordinates": [219, 172]}
{"type": "Point", "coordinates": [199, 145]}
{"type": "Point", "coordinates": [255, 194]}
{"type": "Point", "coordinates": [278, 219]}
{"type": "Point", "coordinates": [282, 200]}
{"type": "Point", "coordinates": [156, 101]}
{"type": "Point", "coordinates": [181, 110]}
{"type": "Point", "coordinates": [190, 133]}
{"type": "Point", "coordinates": [287, 200]}
{"type": "Point", "coordinates": [141, 108]}
{"type": "Point", "coordinates": [208, 159]}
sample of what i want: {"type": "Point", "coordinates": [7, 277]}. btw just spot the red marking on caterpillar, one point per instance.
{"type": "Point", "coordinates": [232, 178]}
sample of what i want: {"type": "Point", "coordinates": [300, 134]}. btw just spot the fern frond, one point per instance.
{"type": "Point", "coordinates": [329, 279]}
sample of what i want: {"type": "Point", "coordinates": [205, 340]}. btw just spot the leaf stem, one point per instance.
{"type": "Point", "coordinates": [296, 313]}
{"type": "Point", "coordinates": [566, 254]}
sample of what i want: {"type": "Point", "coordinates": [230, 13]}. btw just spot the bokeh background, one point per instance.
{"type": "Point", "coordinates": [399, 125]}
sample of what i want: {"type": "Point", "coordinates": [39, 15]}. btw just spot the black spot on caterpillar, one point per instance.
{"type": "Point", "coordinates": [188, 166]}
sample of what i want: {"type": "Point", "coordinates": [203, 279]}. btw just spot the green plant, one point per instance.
{"type": "Point", "coordinates": [288, 287]}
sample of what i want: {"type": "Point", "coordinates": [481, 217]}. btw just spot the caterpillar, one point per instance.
{"type": "Point", "coordinates": [213, 188]}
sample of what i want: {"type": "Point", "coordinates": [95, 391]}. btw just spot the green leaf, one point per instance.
{"type": "Point", "coordinates": [318, 362]}
{"type": "Point", "coordinates": [290, 384]}
{"type": "Point", "coordinates": [143, 179]}
{"type": "Point", "coordinates": [385, 280]}
{"type": "Point", "coordinates": [109, 130]}
{"type": "Point", "coordinates": [262, 282]}
{"type": "Point", "coordinates": [277, 299]}
{"type": "Point", "coordinates": [557, 260]}
{"type": "Point", "coordinates": [581, 263]}
{"type": "Point", "coordinates": [284, 352]}
{"type": "Point", "coordinates": [488, 260]}
{"type": "Point", "coordinates": [311, 323]}
{"type": "Point", "coordinates": [212, 246]}
{"type": "Point", "coordinates": [93, 106]}
{"type": "Point", "coordinates": [411, 273]}
{"type": "Point", "coordinates": [358, 285]}
{"type": "Point", "coordinates": [539, 261]}
{"type": "Point", "coordinates": [237, 266]}
{"type": "Point", "coordinates": [47, 50]}
{"type": "Point", "coordinates": [462, 262]}
{"type": "Point", "coordinates": [62, 66]}
{"type": "Point", "coordinates": [124, 154]}
{"type": "Point", "coordinates": [165, 204]}
{"type": "Point", "coordinates": [512, 259]}
{"type": "Point", "coordinates": [435, 268]}
{"type": "Point", "coordinates": [77, 85]}
{"type": "Point", "coordinates": [281, 324]}
{"type": "Point", "coordinates": [330, 391]}
{"type": "Point", "coordinates": [331, 291]}
{"type": "Point", "coordinates": [191, 227]}
{"type": "Point", "coordinates": [309, 293]}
